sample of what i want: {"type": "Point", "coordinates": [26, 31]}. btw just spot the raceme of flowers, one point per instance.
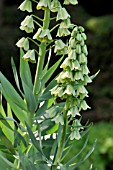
{"type": "Point", "coordinates": [72, 80]}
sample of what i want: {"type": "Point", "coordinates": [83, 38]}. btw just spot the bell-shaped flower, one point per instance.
{"type": "Point", "coordinates": [30, 56]}
{"type": "Point", "coordinates": [62, 52]}
{"type": "Point", "coordinates": [63, 32]}
{"type": "Point", "coordinates": [50, 113]}
{"type": "Point", "coordinates": [62, 14]}
{"type": "Point", "coordinates": [36, 36]}
{"type": "Point", "coordinates": [66, 75]}
{"type": "Point", "coordinates": [27, 24]}
{"type": "Point", "coordinates": [58, 119]}
{"type": "Point", "coordinates": [75, 135]}
{"type": "Point", "coordinates": [59, 45]}
{"type": "Point", "coordinates": [55, 5]}
{"type": "Point", "coordinates": [69, 90]}
{"type": "Point", "coordinates": [23, 43]}
{"type": "Point", "coordinates": [85, 69]}
{"type": "Point", "coordinates": [73, 2]}
{"type": "Point", "coordinates": [75, 65]}
{"type": "Point", "coordinates": [77, 125]}
{"type": "Point", "coordinates": [43, 34]}
{"type": "Point", "coordinates": [84, 49]}
{"type": "Point", "coordinates": [81, 89]}
{"type": "Point", "coordinates": [66, 63]}
{"type": "Point", "coordinates": [66, 23]}
{"type": "Point", "coordinates": [83, 105]}
{"type": "Point", "coordinates": [87, 79]}
{"type": "Point", "coordinates": [72, 54]}
{"type": "Point", "coordinates": [43, 4]}
{"type": "Point", "coordinates": [78, 76]}
{"type": "Point", "coordinates": [57, 91]}
{"type": "Point", "coordinates": [73, 111]}
{"type": "Point", "coordinates": [82, 58]}
{"type": "Point", "coordinates": [26, 6]}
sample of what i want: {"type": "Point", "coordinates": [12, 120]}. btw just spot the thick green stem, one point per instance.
{"type": "Point", "coordinates": [41, 57]}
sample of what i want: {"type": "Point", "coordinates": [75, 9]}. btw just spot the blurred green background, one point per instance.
{"type": "Point", "coordinates": [97, 18]}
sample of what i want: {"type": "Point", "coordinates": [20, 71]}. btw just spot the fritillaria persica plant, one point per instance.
{"type": "Point", "coordinates": [42, 121]}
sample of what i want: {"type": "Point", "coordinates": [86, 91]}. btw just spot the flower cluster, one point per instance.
{"type": "Point", "coordinates": [72, 80]}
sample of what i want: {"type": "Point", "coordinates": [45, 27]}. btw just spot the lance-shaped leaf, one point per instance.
{"type": "Point", "coordinates": [25, 72]}
{"type": "Point", "coordinates": [16, 75]}
{"type": "Point", "coordinates": [10, 93]}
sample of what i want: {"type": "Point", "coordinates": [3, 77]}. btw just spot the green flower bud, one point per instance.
{"type": "Point", "coordinates": [27, 24]}
{"type": "Point", "coordinates": [78, 49]}
{"type": "Point", "coordinates": [75, 135]}
{"type": "Point", "coordinates": [81, 29]}
{"type": "Point", "coordinates": [79, 37]}
{"type": "Point", "coordinates": [23, 43]}
{"type": "Point", "coordinates": [84, 49]}
{"type": "Point", "coordinates": [78, 76]}
{"type": "Point", "coordinates": [30, 56]}
{"type": "Point", "coordinates": [72, 43]}
{"type": "Point", "coordinates": [63, 32]}
{"type": "Point", "coordinates": [82, 58]}
{"type": "Point", "coordinates": [74, 32]}
{"type": "Point", "coordinates": [84, 36]}
{"type": "Point", "coordinates": [85, 69]}
{"type": "Point", "coordinates": [62, 14]}
{"type": "Point", "coordinates": [59, 119]}
{"type": "Point", "coordinates": [72, 54]}
{"type": "Point", "coordinates": [82, 43]}
{"type": "Point", "coordinates": [73, 2]}
{"type": "Point", "coordinates": [55, 5]}
{"type": "Point", "coordinates": [83, 105]}
{"type": "Point", "coordinates": [43, 4]}
{"type": "Point", "coordinates": [73, 111]}
{"type": "Point", "coordinates": [26, 6]}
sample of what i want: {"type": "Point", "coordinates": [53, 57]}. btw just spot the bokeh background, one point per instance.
{"type": "Point", "coordinates": [96, 16]}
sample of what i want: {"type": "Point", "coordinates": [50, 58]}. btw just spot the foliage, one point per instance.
{"type": "Point", "coordinates": [102, 157]}
{"type": "Point", "coordinates": [36, 130]}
